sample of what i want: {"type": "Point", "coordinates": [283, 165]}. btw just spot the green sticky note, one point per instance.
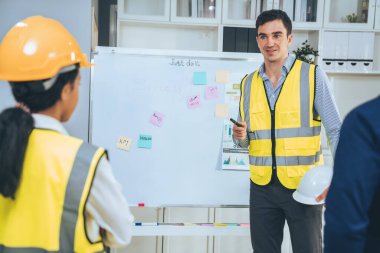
{"type": "Point", "coordinates": [145, 141]}
{"type": "Point", "coordinates": [236, 86]}
{"type": "Point", "coordinates": [200, 78]}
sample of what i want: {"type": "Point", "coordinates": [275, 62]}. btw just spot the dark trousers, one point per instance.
{"type": "Point", "coordinates": [270, 206]}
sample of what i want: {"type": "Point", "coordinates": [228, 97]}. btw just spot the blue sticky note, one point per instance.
{"type": "Point", "coordinates": [145, 141]}
{"type": "Point", "coordinates": [200, 78]}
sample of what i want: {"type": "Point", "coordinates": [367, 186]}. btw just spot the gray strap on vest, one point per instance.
{"type": "Point", "coordinates": [285, 160]}
{"type": "Point", "coordinates": [285, 133]}
{"type": "Point", "coordinates": [247, 94]}
{"type": "Point", "coordinates": [305, 95]}
{"type": "Point", "coordinates": [73, 196]}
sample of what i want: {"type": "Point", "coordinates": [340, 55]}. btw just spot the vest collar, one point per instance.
{"type": "Point", "coordinates": [285, 68]}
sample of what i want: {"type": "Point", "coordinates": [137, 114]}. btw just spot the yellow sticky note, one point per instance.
{"type": "Point", "coordinates": [236, 86]}
{"type": "Point", "coordinates": [221, 110]}
{"type": "Point", "coordinates": [124, 143]}
{"type": "Point", "coordinates": [222, 76]}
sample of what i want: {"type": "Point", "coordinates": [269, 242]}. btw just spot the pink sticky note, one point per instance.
{"type": "Point", "coordinates": [194, 101]}
{"type": "Point", "coordinates": [157, 119]}
{"type": "Point", "coordinates": [211, 92]}
{"type": "Point", "coordinates": [207, 224]}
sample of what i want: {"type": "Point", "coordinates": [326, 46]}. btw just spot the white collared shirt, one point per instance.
{"type": "Point", "coordinates": [106, 206]}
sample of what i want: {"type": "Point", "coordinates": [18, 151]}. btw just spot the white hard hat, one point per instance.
{"type": "Point", "coordinates": [312, 184]}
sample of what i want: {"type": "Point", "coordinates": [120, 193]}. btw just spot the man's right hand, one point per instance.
{"type": "Point", "coordinates": [240, 133]}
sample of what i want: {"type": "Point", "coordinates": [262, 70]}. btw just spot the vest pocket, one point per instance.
{"type": "Point", "coordinates": [294, 172]}
{"type": "Point", "coordinates": [259, 148]}
{"type": "Point", "coordinates": [289, 119]}
{"type": "Point", "coordinates": [258, 171]}
{"type": "Point", "coordinates": [257, 117]}
{"type": "Point", "coordinates": [300, 143]}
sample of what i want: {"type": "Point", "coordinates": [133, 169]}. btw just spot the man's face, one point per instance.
{"type": "Point", "coordinates": [273, 41]}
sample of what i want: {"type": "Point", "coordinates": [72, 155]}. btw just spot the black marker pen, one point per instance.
{"type": "Point", "coordinates": [236, 123]}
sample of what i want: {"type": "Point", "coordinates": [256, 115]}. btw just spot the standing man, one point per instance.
{"type": "Point", "coordinates": [281, 108]}
{"type": "Point", "coordinates": [353, 203]}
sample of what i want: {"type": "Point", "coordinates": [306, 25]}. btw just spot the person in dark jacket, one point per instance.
{"type": "Point", "coordinates": [353, 202]}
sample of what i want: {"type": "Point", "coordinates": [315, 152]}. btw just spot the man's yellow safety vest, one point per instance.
{"type": "Point", "coordinates": [286, 140]}
{"type": "Point", "coordinates": [47, 214]}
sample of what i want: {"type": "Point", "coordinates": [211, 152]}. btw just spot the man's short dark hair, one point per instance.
{"type": "Point", "coordinates": [270, 15]}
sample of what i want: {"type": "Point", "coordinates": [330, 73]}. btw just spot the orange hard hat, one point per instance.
{"type": "Point", "coordinates": [36, 49]}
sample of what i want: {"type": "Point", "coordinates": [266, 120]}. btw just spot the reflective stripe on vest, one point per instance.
{"type": "Point", "coordinates": [75, 186]}
{"type": "Point", "coordinates": [73, 193]}
{"type": "Point", "coordinates": [285, 160]}
{"type": "Point", "coordinates": [286, 133]}
{"type": "Point", "coordinates": [244, 101]}
{"type": "Point", "coordinates": [290, 133]}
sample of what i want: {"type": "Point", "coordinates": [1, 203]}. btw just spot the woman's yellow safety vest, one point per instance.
{"type": "Point", "coordinates": [285, 141]}
{"type": "Point", "coordinates": [47, 214]}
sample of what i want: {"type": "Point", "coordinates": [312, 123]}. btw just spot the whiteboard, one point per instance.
{"type": "Point", "coordinates": [183, 166]}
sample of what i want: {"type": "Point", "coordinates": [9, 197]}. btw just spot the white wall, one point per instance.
{"type": "Point", "coordinates": [353, 90]}
{"type": "Point", "coordinates": [183, 37]}
{"type": "Point", "coordinates": [76, 17]}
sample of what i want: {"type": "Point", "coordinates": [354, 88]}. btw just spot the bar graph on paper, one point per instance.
{"type": "Point", "coordinates": [233, 157]}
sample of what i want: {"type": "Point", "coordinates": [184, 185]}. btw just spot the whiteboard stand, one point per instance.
{"type": "Point", "coordinates": [177, 226]}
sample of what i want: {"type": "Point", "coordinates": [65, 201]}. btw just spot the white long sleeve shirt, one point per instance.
{"type": "Point", "coordinates": [106, 207]}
